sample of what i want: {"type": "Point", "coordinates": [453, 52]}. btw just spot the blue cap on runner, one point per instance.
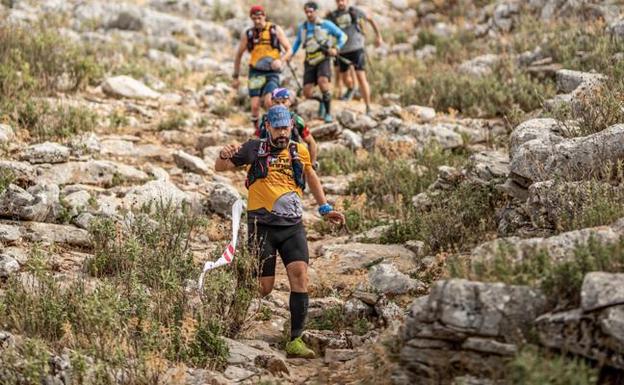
{"type": "Point", "coordinates": [279, 116]}
{"type": "Point", "coordinates": [280, 93]}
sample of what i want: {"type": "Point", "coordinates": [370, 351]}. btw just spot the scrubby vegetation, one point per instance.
{"type": "Point", "coordinates": [143, 314]}
{"type": "Point", "coordinates": [560, 280]}
{"type": "Point", "coordinates": [37, 62]}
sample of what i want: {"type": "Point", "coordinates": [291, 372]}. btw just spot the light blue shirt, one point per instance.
{"type": "Point", "coordinates": [331, 28]}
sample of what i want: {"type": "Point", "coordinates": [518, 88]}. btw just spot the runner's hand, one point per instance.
{"type": "Point", "coordinates": [235, 84]}
{"type": "Point", "coordinates": [229, 150]}
{"type": "Point", "coordinates": [276, 65]}
{"type": "Point", "coordinates": [335, 217]}
{"type": "Point", "coordinates": [378, 42]}
{"type": "Point", "coordinates": [332, 52]}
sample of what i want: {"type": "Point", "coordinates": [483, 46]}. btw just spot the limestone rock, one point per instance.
{"type": "Point", "coordinates": [48, 152]}
{"type": "Point", "coordinates": [127, 87]}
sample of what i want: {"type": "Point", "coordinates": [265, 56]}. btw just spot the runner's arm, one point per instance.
{"type": "Point", "coordinates": [242, 47]}
{"type": "Point", "coordinates": [373, 23]}
{"type": "Point", "coordinates": [281, 36]}
{"type": "Point", "coordinates": [297, 42]}
{"type": "Point", "coordinates": [224, 161]}
{"type": "Point", "coordinates": [312, 147]}
{"type": "Point", "coordinates": [341, 37]}
{"type": "Point", "coordinates": [315, 186]}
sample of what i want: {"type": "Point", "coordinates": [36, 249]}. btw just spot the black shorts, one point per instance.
{"type": "Point", "coordinates": [266, 241]}
{"type": "Point", "coordinates": [358, 58]}
{"type": "Point", "coordinates": [312, 73]}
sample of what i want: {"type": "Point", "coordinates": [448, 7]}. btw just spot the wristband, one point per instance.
{"type": "Point", "coordinates": [234, 76]}
{"type": "Point", "coordinates": [325, 209]}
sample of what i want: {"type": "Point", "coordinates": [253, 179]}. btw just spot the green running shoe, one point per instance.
{"type": "Point", "coordinates": [298, 348]}
{"type": "Point", "coordinates": [321, 111]}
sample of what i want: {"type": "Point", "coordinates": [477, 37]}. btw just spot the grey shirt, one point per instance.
{"type": "Point", "coordinates": [355, 39]}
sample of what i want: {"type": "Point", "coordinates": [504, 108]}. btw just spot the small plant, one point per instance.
{"type": "Point", "coordinates": [6, 178]}
{"type": "Point", "coordinates": [174, 121]}
{"type": "Point", "coordinates": [533, 366]}
{"type": "Point", "coordinates": [45, 122]}
{"type": "Point", "coordinates": [117, 120]}
{"type": "Point", "coordinates": [222, 110]}
{"type": "Point", "coordinates": [265, 313]}
{"type": "Point", "coordinates": [454, 222]}
{"type": "Point", "coordinates": [594, 112]}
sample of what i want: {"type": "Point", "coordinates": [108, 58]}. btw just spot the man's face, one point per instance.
{"type": "Point", "coordinates": [258, 19]}
{"type": "Point", "coordinates": [310, 14]}
{"type": "Point", "coordinates": [280, 136]}
{"type": "Point", "coordinates": [342, 4]}
{"type": "Point", "coordinates": [283, 102]}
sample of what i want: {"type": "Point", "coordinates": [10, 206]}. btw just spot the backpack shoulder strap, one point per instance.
{"type": "Point", "coordinates": [355, 18]}
{"type": "Point", "coordinates": [275, 43]}
{"type": "Point", "coordinates": [250, 39]}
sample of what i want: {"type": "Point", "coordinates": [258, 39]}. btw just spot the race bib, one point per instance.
{"type": "Point", "coordinates": [256, 82]}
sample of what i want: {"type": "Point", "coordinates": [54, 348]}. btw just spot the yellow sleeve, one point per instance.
{"type": "Point", "coordinates": [304, 155]}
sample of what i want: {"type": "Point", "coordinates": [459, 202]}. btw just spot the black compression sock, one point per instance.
{"type": "Point", "coordinates": [327, 96]}
{"type": "Point", "coordinates": [298, 311]}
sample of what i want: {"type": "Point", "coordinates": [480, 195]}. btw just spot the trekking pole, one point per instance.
{"type": "Point", "coordinates": [292, 71]}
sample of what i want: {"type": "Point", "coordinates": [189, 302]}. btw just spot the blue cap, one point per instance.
{"type": "Point", "coordinates": [280, 93]}
{"type": "Point", "coordinates": [279, 116]}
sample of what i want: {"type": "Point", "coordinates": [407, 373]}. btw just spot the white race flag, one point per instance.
{"type": "Point", "coordinates": [228, 254]}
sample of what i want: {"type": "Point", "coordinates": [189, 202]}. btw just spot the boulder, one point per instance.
{"type": "Point", "coordinates": [465, 327]}
{"type": "Point", "coordinates": [539, 152]}
{"type": "Point", "coordinates": [48, 152]}
{"type": "Point", "coordinates": [127, 87]}
{"type": "Point", "coordinates": [596, 329]}
{"type": "Point", "coordinates": [190, 162]}
{"type": "Point", "coordinates": [387, 279]}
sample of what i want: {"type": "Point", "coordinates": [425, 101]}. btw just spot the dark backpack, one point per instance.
{"type": "Point", "coordinates": [253, 37]}
{"type": "Point", "coordinates": [355, 18]}
{"type": "Point", "coordinates": [260, 166]}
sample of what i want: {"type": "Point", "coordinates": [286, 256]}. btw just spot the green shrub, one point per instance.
{"type": "Point", "coordinates": [141, 316]}
{"type": "Point", "coordinates": [497, 94]}
{"type": "Point", "coordinates": [46, 122]}
{"type": "Point", "coordinates": [333, 318]}
{"type": "Point", "coordinates": [574, 43]}
{"type": "Point", "coordinates": [340, 162]}
{"type": "Point", "coordinates": [6, 178]}
{"type": "Point", "coordinates": [577, 205]}
{"type": "Point", "coordinates": [36, 61]}
{"type": "Point", "coordinates": [454, 221]}
{"type": "Point", "coordinates": [402, 179]}
{"type": "Point", "coordinates": [595, 112]}
{"type": "Point", "coordinates": [533, 366]}
{"type": "Point", "coordinates": [174, 121]}
{"type": "Point", "coordinates": [561, 281]}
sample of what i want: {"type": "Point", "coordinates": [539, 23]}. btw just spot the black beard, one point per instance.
{"type": "Point", "coordinates": [280, 143]}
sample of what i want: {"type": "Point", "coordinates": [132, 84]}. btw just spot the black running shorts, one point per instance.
{"type": "Point", "coordinates": [266, 241]}
{"type": "Point", "coordinates": [312, 73]}
{"type": "Point", "coordinates": [357, 58]}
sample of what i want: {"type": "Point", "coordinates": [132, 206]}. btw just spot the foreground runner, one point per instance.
{"type": "Point", "coordinates": [279, 169]}
{"type": "Point", "coordinates": [318, 37]}
{"type": "Point", "coordinates": [350, 20]}
{"type": "Point", "coordinates": [264, 41]}
{"type": "Point", "coordinates": [300, 131]}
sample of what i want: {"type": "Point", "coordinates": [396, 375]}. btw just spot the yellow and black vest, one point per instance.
{"type": "Point", "coordinates": [263, 43]}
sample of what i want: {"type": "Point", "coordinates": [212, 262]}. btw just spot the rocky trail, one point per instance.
{"type": "Point", "coordinates": [480, 245]}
